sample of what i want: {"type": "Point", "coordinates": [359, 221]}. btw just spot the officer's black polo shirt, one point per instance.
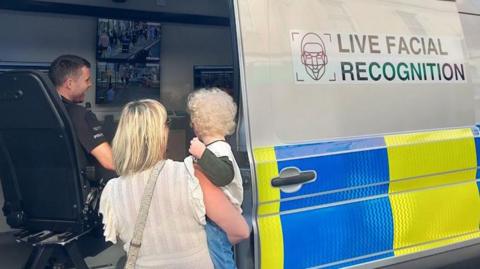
{"type": "Point", "coordinates": [87, 128]}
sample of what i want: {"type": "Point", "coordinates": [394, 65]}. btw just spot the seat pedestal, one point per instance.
{"type": "Point", "coordinates": [48, 247]}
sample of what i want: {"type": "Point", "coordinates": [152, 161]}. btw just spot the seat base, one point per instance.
{"type": "Point", "coordinates": [55, 250]}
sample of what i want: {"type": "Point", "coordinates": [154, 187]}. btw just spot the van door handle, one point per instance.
{"type": "Point", "coordinates": [291, 179]}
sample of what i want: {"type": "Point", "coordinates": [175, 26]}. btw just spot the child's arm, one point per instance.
{"type": "Point", "coordinates": [221, 211]}
{"type": "Point", "coordinates": [218, 169]}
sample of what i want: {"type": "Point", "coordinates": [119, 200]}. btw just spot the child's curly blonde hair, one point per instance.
{"type": "Point", "coordinates": [212, 112]}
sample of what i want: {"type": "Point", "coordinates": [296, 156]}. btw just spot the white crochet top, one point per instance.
{"type": "Point", "coordinates": [174, 235]}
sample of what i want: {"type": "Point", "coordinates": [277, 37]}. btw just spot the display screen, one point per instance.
{"type": "Point", "coordinates": [128, 61]}
{"type": "Point", "coordinates": [119, 83]}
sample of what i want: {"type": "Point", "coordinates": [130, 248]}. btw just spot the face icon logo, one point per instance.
{"type": "Point", "coordinates": [313, 55]}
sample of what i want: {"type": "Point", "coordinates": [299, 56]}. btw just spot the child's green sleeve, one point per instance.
{"type": "Point", "coordinates": [218, 169]}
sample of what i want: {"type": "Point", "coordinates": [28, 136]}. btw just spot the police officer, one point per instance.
{"type": "Point", "coordinates": [72, 78]}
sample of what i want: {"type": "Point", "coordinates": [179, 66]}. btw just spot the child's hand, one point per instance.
{"type": "Point", "coordinates": [196, 148]}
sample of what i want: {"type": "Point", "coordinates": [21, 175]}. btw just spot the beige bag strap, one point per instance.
{"type": "Point", "coordinates": [136, 241]}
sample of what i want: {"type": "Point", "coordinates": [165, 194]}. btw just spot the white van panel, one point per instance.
{"type": "Point", "coordinates": [470, 18]}
{"type": "Point", "coordinates": [283, 112]}
{"type": "Point", "coordinates": [472, 6]}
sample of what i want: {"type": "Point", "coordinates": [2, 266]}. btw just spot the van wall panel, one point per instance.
{"type": "Point", "coordinates": [282, 111]}
{"type": "Point", "coordinates": [40, 37]}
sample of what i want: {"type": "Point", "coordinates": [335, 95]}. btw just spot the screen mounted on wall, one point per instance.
{"type": "Point", "coordinates": [128, 61]}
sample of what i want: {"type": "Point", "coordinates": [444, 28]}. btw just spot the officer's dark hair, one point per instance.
{"type": "Point", "coordinates": [65, 66]}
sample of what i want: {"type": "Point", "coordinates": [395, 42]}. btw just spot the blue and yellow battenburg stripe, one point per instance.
{"type": "Point", "coordinates": [373, 198]}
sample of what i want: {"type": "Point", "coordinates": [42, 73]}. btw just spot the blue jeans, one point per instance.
{"type": "Point", "coordinates": [219, 247]}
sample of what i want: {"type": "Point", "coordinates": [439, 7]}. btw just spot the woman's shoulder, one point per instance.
{"type": "Point", "coordinates": [185, 166]}
{"type": "Point", "coordinates": [114, 185]}
{"type": "Point", "coordinates": [112, 182]}
{"type": "Point", "coordinates": [172, 163]}
{"type": "Point", "coordinates": [108, 190]}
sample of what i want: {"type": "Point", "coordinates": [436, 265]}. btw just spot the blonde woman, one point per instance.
{"type": "Point", "coordinates": [174, 235]}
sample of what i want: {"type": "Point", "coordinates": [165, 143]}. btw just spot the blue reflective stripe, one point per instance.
{"type": "Point", "coordinates": [314, 149]}
{"type": "Point", "coordinates": [373, 258]}
{"type": "Point", "coordinates": [476, 135]}
{"type": "Point", "coordinates": [349, 233]}
{"type": "Point", "coordinates": [340, 171]}
{"type": "Point", "coordinates": [334, 197]}
{"type": "Point", "coordinates": [475, 131]}
{"type": "Point", "coordinates": [326, 235]}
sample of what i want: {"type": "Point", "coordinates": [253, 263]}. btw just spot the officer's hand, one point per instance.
{"type": "Point", "coordinates": [196, 148]}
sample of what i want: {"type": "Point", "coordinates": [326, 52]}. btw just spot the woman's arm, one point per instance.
{"type": "Point", "coordinates": [221, 211]}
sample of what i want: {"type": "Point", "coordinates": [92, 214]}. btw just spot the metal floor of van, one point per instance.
{"type": "Point", "coordinates": [14, 255]}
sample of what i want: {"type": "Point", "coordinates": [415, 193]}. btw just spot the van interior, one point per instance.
{"type": "Point", "coordinates": [159, 49]}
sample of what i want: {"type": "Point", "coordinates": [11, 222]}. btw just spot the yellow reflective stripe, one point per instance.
{"type": "Point", "coordinates": [271, 242]}
{"type": "Point", "coordinates": [429, 181]}
{"type": "Point", "coordinates": [420, 154]}
{"type": "Point", "coordinates": [266, 169]}
{"type": "Point", "coordinates": [427, 208]}
{"type": "Point", "coordinates": [437, 244]}
{"type": "Point", "coordinates": [270, 227]}
{"type": "Point", "coordinates": [429, 215]}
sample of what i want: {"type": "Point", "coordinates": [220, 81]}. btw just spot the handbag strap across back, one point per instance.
{"type": "Point", "coordinates": [136, 241]}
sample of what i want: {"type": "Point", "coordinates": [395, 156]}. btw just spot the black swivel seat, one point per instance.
{"type": "Point", "coordinates": [43, 171]}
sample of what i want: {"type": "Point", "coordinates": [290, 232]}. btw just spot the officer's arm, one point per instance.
{"type": "Point", "coordinates": [103, 154]}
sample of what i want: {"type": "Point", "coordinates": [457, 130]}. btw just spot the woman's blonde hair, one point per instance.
{"type": "Point", "coordinates": [212, 112]}
{"type": "Point", "coordinates": [141, 138]}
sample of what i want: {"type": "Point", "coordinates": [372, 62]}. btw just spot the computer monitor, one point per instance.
{"type": "Point", "coordinates": [119, 83]}
{"type": "Point", "coordinates": [207, 76]}
{"type": "Point", "coordinates": [122, 40]}
{"type": "Point", "coordinates": [128, 61]}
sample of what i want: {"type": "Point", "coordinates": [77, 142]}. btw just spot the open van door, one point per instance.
{"type": "Point", "coordinates": [360, 121]}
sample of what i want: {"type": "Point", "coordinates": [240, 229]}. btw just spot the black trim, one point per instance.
{"type": "Point", "coordinates": [112, 13]}
{"type": "Point", "coordinates": [126, 61]}
{"type": "Point", "coordinates": [469, 13]}
{"type": "Point", "coordinates": [5, 67]}
{"type": "Point", "coordinates": [236, 65]}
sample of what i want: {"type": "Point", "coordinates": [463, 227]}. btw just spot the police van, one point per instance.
{"type": "Point", "coordinates": [356, 130]}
